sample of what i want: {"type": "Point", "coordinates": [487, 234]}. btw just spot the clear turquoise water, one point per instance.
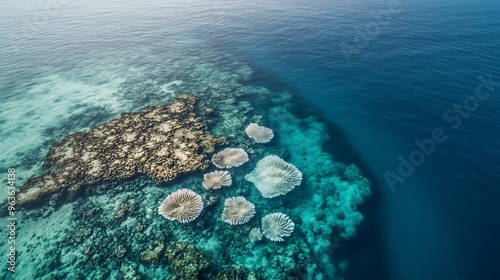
{"type": "Point", "coordinates": [440, 223]}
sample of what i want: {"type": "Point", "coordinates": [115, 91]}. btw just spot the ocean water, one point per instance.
{"type": "Point", "coordinates": [357, 82]}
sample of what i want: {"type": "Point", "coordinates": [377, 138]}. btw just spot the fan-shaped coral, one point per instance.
{"type": "Point", "coordinates": [275, 226]}
{"type": "Point", "coordinates": [216, 180]}
{"type": "Point", "coordinates": [237, 210]}
{"type": "Point", "coordinates": [274, 176]}
{"type": "Point", "coordinates": [255, 235]}
{"type": "Point", "coordinates": [230, 157]}
{"type": "Point", "coordinates": [259, 133]}
{"type": "Point", "coordinates": [182, 205]}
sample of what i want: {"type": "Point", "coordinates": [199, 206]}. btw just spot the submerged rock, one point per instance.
{"type": "Point", "coordinates": [162, 142]}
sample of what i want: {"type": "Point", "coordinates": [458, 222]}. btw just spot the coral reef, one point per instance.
{"type": "Point", "coordinates": [183, 205]}
{"type": "Point", "coordinates": [230, 157]}
{"type": "Point", "coordinates": [274, 176]}
{"type": "Point", "coordinates": [161, 142]}
{"type": "Point", "coordinates": [186, 262]}
{"type": "Point", "coordinates": [237, 210]}
{"type": "Point", "coordinates": [216, 180]}
{"type": "Point", "coordinates": [255, 235]}
{"type": "Point", "coordinates": [115, 232]}
{"type": "Point", "coordinates": [259, 134]}
{"type": "Point", "coordinates": [236, 272]}
{"type": "Point", "coordinates": [275, 226]}
{"type": "Point", "coordinates": [154, 253]}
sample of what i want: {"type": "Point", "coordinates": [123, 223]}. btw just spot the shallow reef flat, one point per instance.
{"type": "Point", "coordinates": [110, 227]}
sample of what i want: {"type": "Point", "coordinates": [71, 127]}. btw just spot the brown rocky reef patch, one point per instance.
{"type": "Point", "coordinates": [186, 261]}
{"type": "Point", "coordinates": [162, 142]}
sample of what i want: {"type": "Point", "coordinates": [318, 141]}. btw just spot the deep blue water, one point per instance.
{"type": "Point", "coordinates": [440, 223]}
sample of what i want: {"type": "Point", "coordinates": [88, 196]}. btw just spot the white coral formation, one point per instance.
{"type": "Point", "coordinates": [275, 226]}
{"type": "Point", "coordinates": [182, 205]}
{"type": "Point", "coordinates": [259, 133]}
{"type": "Point", "coordinates": [255, 235]}
{"type": "Point", "coordinates": [216, 180]}
{"type": "Point", "coordinates": [230, 157]}
{"type": "Point", "coordinates": [273, 176]}
{"type": "Point", "coordinates": [237, 210]}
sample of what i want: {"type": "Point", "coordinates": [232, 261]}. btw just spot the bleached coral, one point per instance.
{"type": "Point", "coordinates": [216, 180]}
{"type": "Point", "coordinates": [255, 235]}
{"type": "Point", "coordinates": [237, 210]}
{"type": "Point", "coordinates": [273, 176]}
{"type": "Point", "coordinates": [275, 226]}
{"type": "Point", "coordinates": [259, 133]}
{"type": "Point", "coordinates": [183, 205]}
{"type": "Point", "coordinates": [230, 157]}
